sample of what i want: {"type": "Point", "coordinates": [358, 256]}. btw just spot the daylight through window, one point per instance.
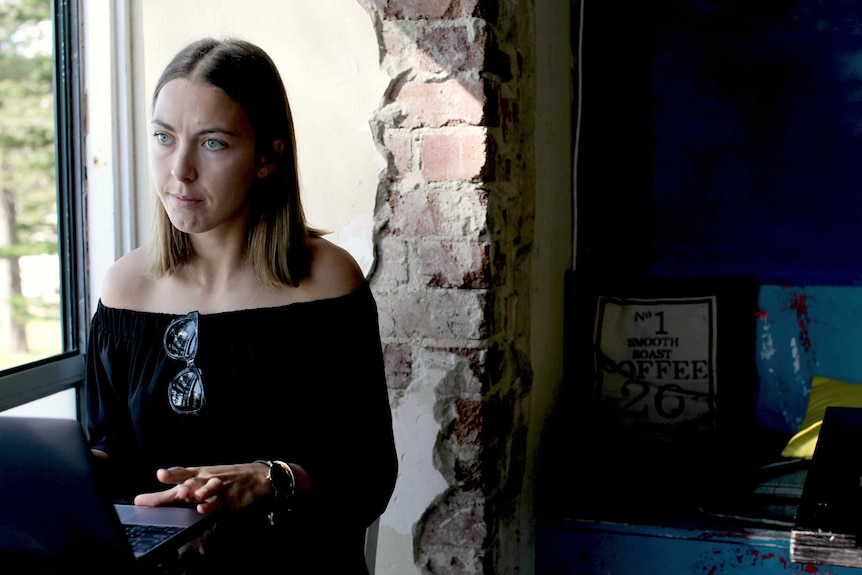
{"type": "Point", "coordinates": [40, 251]}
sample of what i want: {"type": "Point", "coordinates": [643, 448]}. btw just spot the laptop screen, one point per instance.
{"type": "Point", "coordinates": [51, 512]}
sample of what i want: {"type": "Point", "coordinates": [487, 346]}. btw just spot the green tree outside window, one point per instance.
{"type": "Point", "coordinates": [29, 272]}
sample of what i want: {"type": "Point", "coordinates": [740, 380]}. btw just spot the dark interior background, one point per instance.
{"type": "Point", "coordinates": [722, 138]}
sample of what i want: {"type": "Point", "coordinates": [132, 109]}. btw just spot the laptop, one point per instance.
{"type": "Point", "coordinates": [827, 528]}
{"type": "Point", "coordinates": [52, 515]}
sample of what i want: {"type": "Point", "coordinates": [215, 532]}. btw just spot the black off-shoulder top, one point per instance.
{"type": "Point", "coordinates": [302, 383]}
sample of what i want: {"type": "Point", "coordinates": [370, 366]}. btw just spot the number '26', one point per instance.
{"type": "Point", "coordinates": [668, 400]}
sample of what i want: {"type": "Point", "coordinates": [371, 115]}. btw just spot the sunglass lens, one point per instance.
{"type": "Point", "coordinates": [187, 391]}
{"type": "Point", "coordinates": [181, 338]}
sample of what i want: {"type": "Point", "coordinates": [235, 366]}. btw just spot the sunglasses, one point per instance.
{"type": "Point", "coordinates": [186, 390]}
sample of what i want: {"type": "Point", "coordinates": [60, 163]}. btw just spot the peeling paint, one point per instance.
{"type": "Point", "coordinates": [746, 558]}
{"type": "Point", "coordinates": [794, 352]}
{"type": "Point", "coordinates": [799, 304]}
{"type": "Point", "coordinates": [767, 347]}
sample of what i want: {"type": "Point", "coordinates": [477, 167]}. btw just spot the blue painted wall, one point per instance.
{"type": "Point", "coordinates": [722, 138]}
{"type": "Point", "coordinates": [803, 331]}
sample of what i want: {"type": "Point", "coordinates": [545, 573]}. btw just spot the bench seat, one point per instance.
{"type": "Point", "coordinates": [601, 510]}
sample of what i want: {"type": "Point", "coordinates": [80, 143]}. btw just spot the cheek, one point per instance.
{"type": "Point", "coordinates": [239, 174]}
{"type": "Point", "coordinates": [159, 169]}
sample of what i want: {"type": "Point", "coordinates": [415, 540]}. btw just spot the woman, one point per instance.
{"type": "Point", "coordinates": [235, 362]}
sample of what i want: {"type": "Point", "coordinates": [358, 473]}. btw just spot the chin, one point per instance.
{"type": "Point", "coordinates": [185, 227]}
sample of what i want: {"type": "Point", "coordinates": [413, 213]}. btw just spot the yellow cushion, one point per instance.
{"type": "Point", "coordinates": [825, 392]}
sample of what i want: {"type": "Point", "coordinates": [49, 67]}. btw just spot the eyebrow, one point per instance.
{"type": "Point", "coordinates": [214, 130]}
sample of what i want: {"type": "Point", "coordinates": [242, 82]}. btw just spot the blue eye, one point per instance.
{"type": "Point", "coordinates": [163, 138]}
{"type": "Point", "coordinates": [211, 144]}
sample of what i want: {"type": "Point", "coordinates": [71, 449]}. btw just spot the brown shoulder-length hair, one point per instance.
{"type": "Point", "coordinates": [277, 245]}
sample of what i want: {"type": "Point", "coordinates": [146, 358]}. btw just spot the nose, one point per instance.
{"type": "Point", "coordinates": [183, 169]}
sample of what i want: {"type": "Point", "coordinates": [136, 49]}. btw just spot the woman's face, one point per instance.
{"type": "Point", "coordinates": [203, 156]}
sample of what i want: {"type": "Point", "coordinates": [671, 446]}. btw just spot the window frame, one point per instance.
{"type": "Point", "coordinates": [60, 372]}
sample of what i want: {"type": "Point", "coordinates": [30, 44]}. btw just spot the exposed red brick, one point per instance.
{"type": "Point", "coordinates": [458, 521]}
{"type": "Point", "coordinates": [468, 426]}
{"type": "Point", "coordinates": [473, 8]}
{"type": "Point", "coordinates": [416, 213]}
{"type": "Point", "coordinates": [438, 314]}
{"type": "Point", "coordinates": [453, 156]}
{"type": "Point", "coordinates": [454, 561]}
{"type": "Point", "coordinates": [446, 264]}
{"type": "Point", "coordinates": [437, 104]}
{"type": "Point", "coordinates": [448, 254]}
{"type": "Point", "coordinates": [417, 9]}
{"type": "Point", "coordinates": [469, 466]}
{"type": "Point", "coordinates": [450, 49]}
{"type": "Point", "coordinates": [398, 359]}
{"type": "Point", "coordinates": [433, 212]}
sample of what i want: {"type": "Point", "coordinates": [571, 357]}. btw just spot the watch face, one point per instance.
{"type": "Point", "coordinates": [281, 477]}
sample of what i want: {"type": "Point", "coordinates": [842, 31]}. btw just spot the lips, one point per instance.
{"type": "Point", "coordinates": [185, 201]}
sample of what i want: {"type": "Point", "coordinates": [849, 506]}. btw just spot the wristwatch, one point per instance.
{"type": "Point", "coordinates": [283, 481]}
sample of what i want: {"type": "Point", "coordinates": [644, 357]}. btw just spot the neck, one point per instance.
{"type": "Point", "coordinates": [217, 259]}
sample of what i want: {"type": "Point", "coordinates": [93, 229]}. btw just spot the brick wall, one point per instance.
{"type": "Point", "coordinates": [453, 236]}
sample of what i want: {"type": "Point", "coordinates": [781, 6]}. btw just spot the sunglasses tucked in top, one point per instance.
{"type": "Point", "coordinates": [186, 389]}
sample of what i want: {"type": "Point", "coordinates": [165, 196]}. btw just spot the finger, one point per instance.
{"type": "Point", "coordinates": [157, 499]}
{"type": "Point", "coordinates": [211, 505]}
{"type": "Point", "coordinates": [176, 474]}
{"type": "Point", "coordinates": [212, 488]}
{"type": "Point", "coordinates": [188, 490]}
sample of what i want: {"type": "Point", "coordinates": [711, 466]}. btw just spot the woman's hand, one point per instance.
{"type": "Point", "coordinates": [212, 488]}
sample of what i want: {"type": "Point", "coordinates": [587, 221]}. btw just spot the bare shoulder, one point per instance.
{"type": "Point", "coordinates": [334, 272]}
{"type": "Point", "coordinates": [125, 284]}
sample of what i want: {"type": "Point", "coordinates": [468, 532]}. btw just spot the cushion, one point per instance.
{"type": "Point", "coordinates": [662, 376]}
{"type": "Point", "coordinates": [647, 354]}
{"type": "Point", "coordinates": [825, 392]}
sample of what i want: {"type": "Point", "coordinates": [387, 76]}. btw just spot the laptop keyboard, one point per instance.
{"type": "Point", "coordinates": [144, 537]}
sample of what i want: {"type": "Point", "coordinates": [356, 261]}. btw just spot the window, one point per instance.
{"type": "Point", "coordinates": [43, 310]}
